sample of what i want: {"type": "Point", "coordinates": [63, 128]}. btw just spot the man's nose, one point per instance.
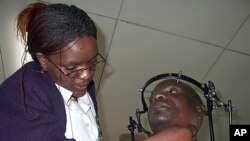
{"type": "Point", "coordinates": [158, 97]}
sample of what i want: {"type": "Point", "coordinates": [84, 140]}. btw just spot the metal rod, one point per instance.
{"type": "Point", "coordinates": [210, 119]}
{"type": "Point", "coordinates": [230, 108]}
{"type": "Point", "coordinates": [131, 127]}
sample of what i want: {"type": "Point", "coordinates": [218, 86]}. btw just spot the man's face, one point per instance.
{"type": "Point", "coordinates": [171, 105]}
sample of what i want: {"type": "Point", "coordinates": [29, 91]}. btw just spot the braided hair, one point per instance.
{"type": "Point", "coordinates": [47, 28]}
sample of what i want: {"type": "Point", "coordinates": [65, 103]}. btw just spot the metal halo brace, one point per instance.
{"type": "Point", "coordinates": [209, 94]}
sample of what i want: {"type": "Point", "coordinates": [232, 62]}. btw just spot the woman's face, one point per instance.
{"type": "Point", "coordinates": [170, 105]}
{"type": "Point", "coordinates": [79, 54]}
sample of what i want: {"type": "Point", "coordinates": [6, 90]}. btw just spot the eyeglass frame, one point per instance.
{"type": "Point", "coordinates": [78, 70]}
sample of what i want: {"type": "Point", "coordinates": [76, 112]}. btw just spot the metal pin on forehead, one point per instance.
{"type": "Point", "coordinates": [179, 76]}
{"type": "Point", "coordinates": [146, 91]}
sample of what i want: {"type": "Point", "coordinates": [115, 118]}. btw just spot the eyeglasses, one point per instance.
{"type": "Point", "coordinates": [99, 61]}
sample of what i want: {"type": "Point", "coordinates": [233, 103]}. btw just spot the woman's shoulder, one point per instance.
{"type": "Point", "coordinates": [30, 85]}
{"type": "Point", "coordinates": [29, 73]}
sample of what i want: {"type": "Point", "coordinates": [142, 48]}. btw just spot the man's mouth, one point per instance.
{"type": "Point", "coordinates": [161, 105]}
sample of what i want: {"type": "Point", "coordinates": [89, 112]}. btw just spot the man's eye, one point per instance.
{"type": "Point", "coordinates": [173, 92]}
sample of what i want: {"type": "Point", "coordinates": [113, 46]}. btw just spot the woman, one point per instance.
{"type": "Point", "coordinates": [35, 102]}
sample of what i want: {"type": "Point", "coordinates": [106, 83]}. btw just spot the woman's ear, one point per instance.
{"type": "Point", "coordinates": [42, 60]}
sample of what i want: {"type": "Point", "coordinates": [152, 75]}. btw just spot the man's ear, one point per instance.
{"type": "Point", "coordinates": [42, 60]}
{"type": "Point", "coordinates": [201, 110]}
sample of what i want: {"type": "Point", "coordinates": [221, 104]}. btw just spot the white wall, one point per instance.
{"type": "Point", "coordinates": [2, 75]}
{"type": "Point", "coordinates": [206, 40]}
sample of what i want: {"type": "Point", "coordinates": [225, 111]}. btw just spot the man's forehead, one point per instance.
{"type": "Point", "coordinates": [171, 83]}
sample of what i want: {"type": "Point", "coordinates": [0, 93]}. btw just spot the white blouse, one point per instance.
{"type": "Point", "coordinates": [81, 117]}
